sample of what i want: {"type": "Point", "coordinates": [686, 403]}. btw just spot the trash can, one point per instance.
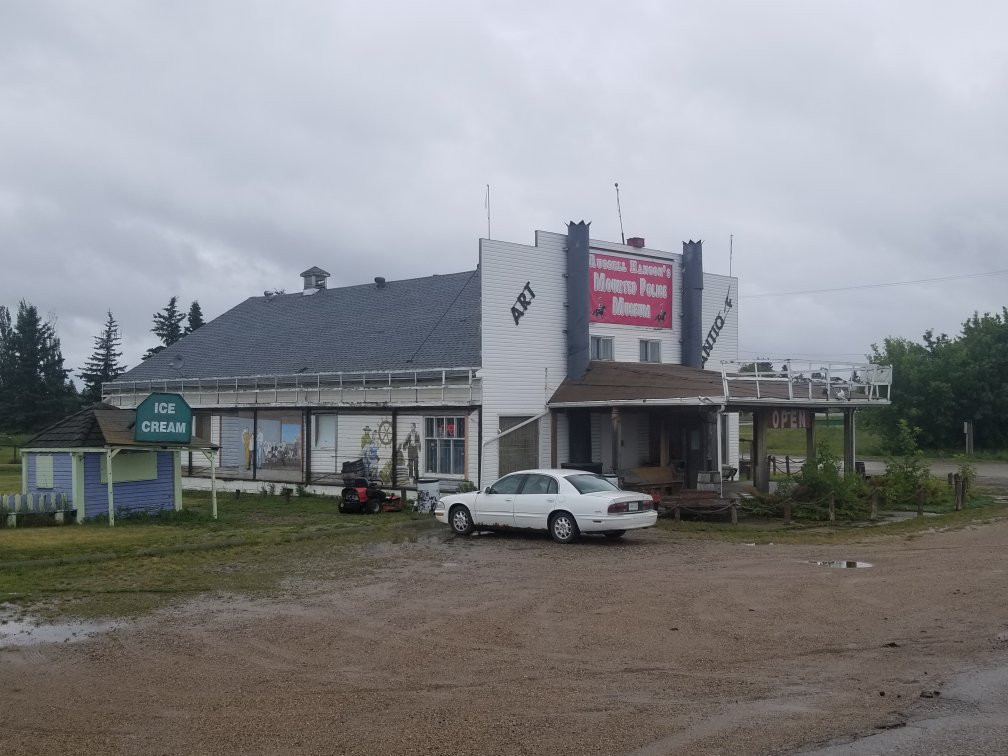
{"type": "Point", "coordinates": [428, 491]}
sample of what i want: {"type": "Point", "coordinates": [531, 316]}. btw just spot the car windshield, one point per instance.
{"type": "Point", "coordinates": [587, 483]}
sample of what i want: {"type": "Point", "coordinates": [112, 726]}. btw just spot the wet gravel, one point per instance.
{"type": "Point", "coordinates": [513, 644]}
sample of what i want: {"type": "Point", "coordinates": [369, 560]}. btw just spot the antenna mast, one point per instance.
{"type": "Point", "coordinates": [619, 212]}
{"type": "Point", "coordinates": [488, 210]}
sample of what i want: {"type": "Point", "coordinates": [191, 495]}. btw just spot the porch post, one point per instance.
{"type": "Point", "coordinates": [213, 482]}
{"type": "Point", "coordinates": [554, 414]}
{"type": "Point", "coordinates": [177, 475]}
{"type": "Point", "coordinates": [848, 441]}
{"type": "Point", "coordinates": [108, 483]}
{"type": "Point", "coordinates": [810, 450]}
{"type": "Point", "coordinates": [617, 438]}
{"type": "Point", "coordinates": [760, 471]}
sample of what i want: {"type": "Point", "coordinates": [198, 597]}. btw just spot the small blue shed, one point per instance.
{"type": "Point", "coordinates": [93, 459]}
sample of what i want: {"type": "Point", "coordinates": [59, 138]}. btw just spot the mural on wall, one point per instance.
{"type": "Point", "coordinates": [368, 438]}
{"type": "Point", "coordinates": [629, 291]}
{"type": "Point", "coordinates": [277, 444]}
{"type": "Point", "coordinates": [411, 448]}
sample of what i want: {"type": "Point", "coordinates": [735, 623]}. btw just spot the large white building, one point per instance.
{"type": "Point", "coordinates": [567, 351]}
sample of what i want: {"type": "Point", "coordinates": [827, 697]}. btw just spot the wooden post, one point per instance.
{"type": "Point", "coordinates": [958, 494]}
{"type": "Point", "coordinates": [832, 508]}
{"type": "Point", "coordinates": [787, 464]}
{"type": "Point", "coordinates": [951, 480]}
{"type": "Point", "coordinates": [873, 508]}
{"type": "Point", "coordinates": [734, 511]}
{"type": "Point", "coordinates": [675, 512]}
{"type": "Point", "coordinates": [920, 502]}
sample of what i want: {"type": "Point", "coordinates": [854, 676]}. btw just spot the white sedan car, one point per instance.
{"type": "Point", "coordinates": [564, 502]}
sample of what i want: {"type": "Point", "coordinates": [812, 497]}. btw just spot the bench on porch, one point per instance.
{"type": "Point", "coordinates": [16, 505]}
{"type": "Point", "coordinates": [654, 479]}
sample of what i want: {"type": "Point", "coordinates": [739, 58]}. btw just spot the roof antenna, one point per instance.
{"type": "Point", "coordinates": [620, 214]}
{"type": "Point", "coordinates": [488, 210]}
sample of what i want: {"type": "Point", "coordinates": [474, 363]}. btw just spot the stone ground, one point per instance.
{"type": "Point", "coordinates": [512, 644]}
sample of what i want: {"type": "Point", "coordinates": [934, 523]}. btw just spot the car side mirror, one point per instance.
{"type": "Point", "coordinates": [486, 490]}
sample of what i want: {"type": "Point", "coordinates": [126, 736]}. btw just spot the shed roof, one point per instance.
{"type": "Point", "coordinates": [97, 426]}
{"type": "Point", "coordinates": [413, 324]}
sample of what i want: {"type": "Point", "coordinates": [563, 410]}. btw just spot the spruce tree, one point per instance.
{"type": "Point", "coordinates": [103, 365]}
{"type": "Point", "coordinates": [195, 317]}
{"type": "Point", "coordinates": [167, 327]}
{"type": "Point", "coordinates": [36, 389]}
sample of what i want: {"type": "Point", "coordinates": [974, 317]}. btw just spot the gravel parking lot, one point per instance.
{"type": "Point", "coordinates": [658, 644]}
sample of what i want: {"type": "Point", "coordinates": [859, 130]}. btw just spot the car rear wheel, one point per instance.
{"type": "Point", "coordinates": [614, 535]}
{"type": "Point", "coordinates": [563, 527]}
{"type": "Point", "coordinates": [460, 520]}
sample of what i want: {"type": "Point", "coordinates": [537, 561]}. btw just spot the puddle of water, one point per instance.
{"type": "Point", "coordinates": [17, 629]}
{"type": "Point", "coordinates": [842, 564]}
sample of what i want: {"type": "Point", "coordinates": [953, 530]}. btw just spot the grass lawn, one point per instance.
{"type": "Point", "coordinates": [93, 570]}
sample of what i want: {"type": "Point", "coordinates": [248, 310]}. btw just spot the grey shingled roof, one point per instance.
{"type": "Point", "coordinates": [415, 324]}
{"type": "Point", "coordinates": [78, 430]}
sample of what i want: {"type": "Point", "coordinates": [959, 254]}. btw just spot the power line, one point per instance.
{"type": "Point", "coordinates": [875, 286]}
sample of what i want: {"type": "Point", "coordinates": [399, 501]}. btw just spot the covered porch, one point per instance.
{"type": "Point", "coordinates": [675, 428]}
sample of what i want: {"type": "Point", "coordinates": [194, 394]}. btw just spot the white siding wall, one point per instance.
{"type": "Point", "coordinates": [522, 364]}
{"type": "Point", "coordinates": [715, 290]}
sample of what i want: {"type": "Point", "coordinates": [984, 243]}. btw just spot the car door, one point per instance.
{"type": "Point", "coordinates": [495, 506]}
{"type": "Point", "coordinates": [534, 502]}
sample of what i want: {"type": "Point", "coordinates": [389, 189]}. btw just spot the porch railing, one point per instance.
{"type": "Point", "coordinates": [446, 387]}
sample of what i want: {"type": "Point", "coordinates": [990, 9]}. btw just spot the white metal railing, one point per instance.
{"type": "Point", "coordinates": [458, 385]}
{"type": "Point", "coordinates": [797, 380]}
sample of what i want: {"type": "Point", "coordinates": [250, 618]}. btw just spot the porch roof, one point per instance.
{"type": "Point", "coordinates": [607, 384]}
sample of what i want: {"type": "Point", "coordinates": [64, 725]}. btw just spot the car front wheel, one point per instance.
{"type": "Point", "coordinates": [461, 520]}
{"type": "Point", "coordinates": [563, 527]}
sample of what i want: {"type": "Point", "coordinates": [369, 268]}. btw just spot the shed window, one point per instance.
{"type": "Point", "coordinates": [44, 471]}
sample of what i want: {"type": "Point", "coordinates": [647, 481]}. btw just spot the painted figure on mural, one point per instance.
{"type": "Point", "coordinates": [369, 452]}
{"type": "Point", "coordinates": [412, 448]}
{"type": "Point", "coordinates": [247, 447]}
{"type": "Point", "coordinates": [260, 448]}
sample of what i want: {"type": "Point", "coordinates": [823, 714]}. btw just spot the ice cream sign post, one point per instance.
{"type": "Point", "coordinates": [163, 419]}
{"type": "Point", "coordinates": [628, 291]}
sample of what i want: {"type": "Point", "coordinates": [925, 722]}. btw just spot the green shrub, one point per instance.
{"type": "Point", "coordinates": [820, 479]}
{"type": "Point", "coordinates": [907, 472]}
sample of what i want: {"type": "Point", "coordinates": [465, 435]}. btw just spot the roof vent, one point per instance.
{"type": "Point", "coordinates": [380, 282]}
{"type": "Point", "coordinates": [636, 241]}
{"type": "Point", "coordinates": [314, 279]}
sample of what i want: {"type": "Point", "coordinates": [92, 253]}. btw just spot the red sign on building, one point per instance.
{"type": "Point", "coordinates": [629, 291]}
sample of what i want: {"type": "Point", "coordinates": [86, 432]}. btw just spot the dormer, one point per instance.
{"type": "Point", "coordinates": [314, 279]}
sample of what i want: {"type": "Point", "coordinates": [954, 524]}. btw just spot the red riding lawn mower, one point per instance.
{"type": "Point", "coordinates": [361, 495]}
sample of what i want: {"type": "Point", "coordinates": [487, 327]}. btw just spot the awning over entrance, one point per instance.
{"type": "Point", "coordinates": [609, 384]}
{"type": "Point", "coordinates": [809, 386]}
{"type": "Point", "coordinates": [799, 389]}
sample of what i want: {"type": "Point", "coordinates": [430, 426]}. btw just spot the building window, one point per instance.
{"type": "Point", "coordinates": [444, 441]}
{"type": "Point", "coordinates": [601, 348]}
{"type": "Point", "coordinates": [650, 350]}
{"type": "Point", "coordinates": [519, 449]}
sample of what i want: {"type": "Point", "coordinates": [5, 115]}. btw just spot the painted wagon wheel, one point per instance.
{"type": "Point", "coordinates": [385, 432]}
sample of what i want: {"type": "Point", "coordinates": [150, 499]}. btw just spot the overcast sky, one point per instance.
{"type": "Point", "coordinates": [213, 150]}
